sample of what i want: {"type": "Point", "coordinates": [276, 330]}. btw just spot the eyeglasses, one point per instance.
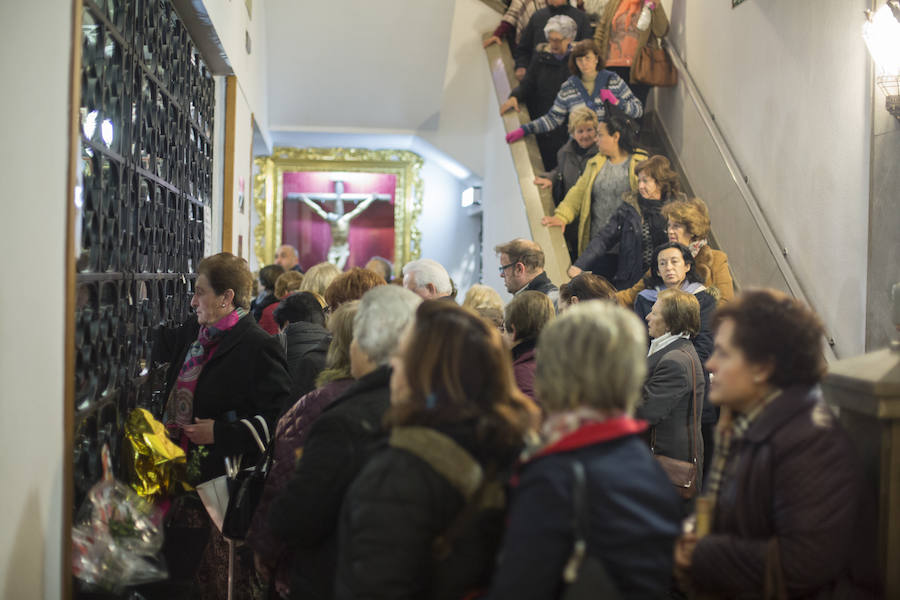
{"type": "Point", "coordinates": [505, 267]}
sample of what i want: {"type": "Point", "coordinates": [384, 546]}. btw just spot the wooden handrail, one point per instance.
{"type": "Point", "coordinates": [527, 163]}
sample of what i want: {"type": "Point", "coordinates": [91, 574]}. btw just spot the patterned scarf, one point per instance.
{"type": "Point", "coordinates": [560, 425]}
{"type": "Point", "coordinates": [695, 246]}
{"type": "Point", "coordinates": [180, 407]}
{"type": "Point", "coordinates": [726, 433]}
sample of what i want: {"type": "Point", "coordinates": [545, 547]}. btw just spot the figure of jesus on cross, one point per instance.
{"type": "Point", "coordinates": [339, 251]}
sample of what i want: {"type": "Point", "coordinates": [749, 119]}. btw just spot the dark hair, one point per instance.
{"type": "Point", "coordinates": [467, 375]}
{"type": "Point", "coordinates": [351, 286]}
{"type": "Point", "coordinates": [299, 307]}
{"type": "Point", "coordinates": [269, 274]}
{"type": "Point", "coordinates": [523, 251]}
{"type": "Point", "coordinates": [653, 279]}
{"type": "Point", "coordinates": [660, 170]}
{"type": "Point", "coordinates": [587, 286]}
{"type": "Point", "coordinates": [225, 271]}
{"type": "Point", "coordinates": [772, 328]}
{"type": "Point", "coordinates": [528, 312]}
{"type": "Point", "coordinates": [680, 311]}
{"type": "Point", "coordinates": [625, 127]}
{"type": "Point", "coordinates": [580, 49]}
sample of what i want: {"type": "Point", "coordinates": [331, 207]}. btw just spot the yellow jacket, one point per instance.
{"type": "Point", "coordinates": [577, 202]}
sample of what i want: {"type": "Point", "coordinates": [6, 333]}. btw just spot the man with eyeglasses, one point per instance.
{"type": "Point", "coordinates": [522, 268]}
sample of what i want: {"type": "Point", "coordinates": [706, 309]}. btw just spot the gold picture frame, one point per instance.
{"type": "Point", "coordinates": [268, 192]}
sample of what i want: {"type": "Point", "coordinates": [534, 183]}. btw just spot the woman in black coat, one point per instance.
{"type": "Point", "coordinates": [674, 390]}
{"type": "Point", "coordinates": [223, 368]}
{"type": "Point", "coordinates": [423, 518]}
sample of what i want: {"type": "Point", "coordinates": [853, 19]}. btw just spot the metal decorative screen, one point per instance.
{"type": "Point", "coordinates": [145, 177]}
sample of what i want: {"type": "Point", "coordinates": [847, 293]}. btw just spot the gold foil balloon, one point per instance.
{"type": "Point", "coordinates": [158, 462]}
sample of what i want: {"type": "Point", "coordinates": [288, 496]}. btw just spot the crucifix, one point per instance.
{"type": "Point", "coordinates": [339, 251]}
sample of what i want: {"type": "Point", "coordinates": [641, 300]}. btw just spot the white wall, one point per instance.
{"type": "Point", "coordinates": [33, 164]}
{"type": "Point", "coordinates": [788, 85]}
{"type": "Point", "coordinates": [470, 130]}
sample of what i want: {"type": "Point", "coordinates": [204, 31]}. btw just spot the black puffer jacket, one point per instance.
{"type": "Point", "coordinates": [411, 493]}
{"type": "Point", "coordinates": [306, 345]}
{"type": "Point", "coordinates": [305, 513]}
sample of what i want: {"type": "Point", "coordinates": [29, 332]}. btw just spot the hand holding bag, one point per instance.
{"type": "Point", "coordinates": [652, 65]}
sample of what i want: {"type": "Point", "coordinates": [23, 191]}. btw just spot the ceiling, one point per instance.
{"type": "Point", "coordinates": [372, 65]}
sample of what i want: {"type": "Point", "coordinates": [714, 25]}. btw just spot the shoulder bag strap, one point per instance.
{"type": "Point", "coordinates": [579, 523]}
{"type": "Point", "coordinates": [695, 412]}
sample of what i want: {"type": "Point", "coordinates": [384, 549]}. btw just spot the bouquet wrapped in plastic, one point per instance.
{"type": "Point", "coordinates": [117, 536]}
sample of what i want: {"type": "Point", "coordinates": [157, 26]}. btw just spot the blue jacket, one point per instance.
{"type": "Point", "coordinates": [634, 515]}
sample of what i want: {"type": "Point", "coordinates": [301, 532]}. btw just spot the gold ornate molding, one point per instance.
{"type": "Point", "coordinates": [268, 192]}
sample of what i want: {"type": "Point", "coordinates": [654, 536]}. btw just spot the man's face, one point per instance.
{"type": "Point", "coordinates": [557, 3]}
{"type": "Point", "coordinates": [286, 257]}
{"type": "Point", "coordinates": [513, 274]}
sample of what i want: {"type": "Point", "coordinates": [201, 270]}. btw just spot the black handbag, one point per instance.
{"type": "Point", "coordinates": [585, 576]}
{"type": "Point", "coordinates": [246, 488]}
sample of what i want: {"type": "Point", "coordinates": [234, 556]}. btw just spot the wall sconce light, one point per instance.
{"type": "Point", "coordinates": [881, 31]}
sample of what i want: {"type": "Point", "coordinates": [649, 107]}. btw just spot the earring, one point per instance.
{"type": "Point", "coordinates": [223, 305]}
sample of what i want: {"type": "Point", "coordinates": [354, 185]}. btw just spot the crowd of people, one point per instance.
{"type": "Point", "coordinates": [640, 426]}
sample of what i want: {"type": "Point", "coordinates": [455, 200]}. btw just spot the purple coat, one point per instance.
{"type": "Point", "coordinates": [524, 365]}
{"type": "Point", "coordinates": [290, 435]}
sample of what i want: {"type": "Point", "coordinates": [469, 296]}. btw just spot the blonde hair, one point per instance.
{"type": "Point", "coordinates": [318, 277]}
{"type": "Point", "coordinates": [337, 361]}
{"type": "Point", "coordinates": [582, 115]}
{"type": "Point", "coordinates": [482, 296]}
{"type": "Point", "coordinates": [609, 338]}
{"type": "Point", "coordinates": [287, 282]}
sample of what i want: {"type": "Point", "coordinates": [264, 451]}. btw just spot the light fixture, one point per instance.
{"type": "Point", "coordinates": [471, 196]}
{"type": "Point", "coordinates": [881, 31]}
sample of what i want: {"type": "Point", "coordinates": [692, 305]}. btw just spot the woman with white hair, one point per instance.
{"type": "Point", "coordinates": [305, 514]}
{"type": "Point", "coordinates": [590, 452]}
{"type": "Point", "coordinates": [548, 70]}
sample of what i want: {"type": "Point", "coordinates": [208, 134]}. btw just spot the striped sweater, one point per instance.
{"type": "Point", "coordinates": [569, 98]}
{"type": "Point", "coordinates": [517, 16]}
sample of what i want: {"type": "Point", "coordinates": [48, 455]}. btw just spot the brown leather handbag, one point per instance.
{"type": "Point", "coordinates": [652, 65]}
{"type": "Point", "coordinates": [682, 473]}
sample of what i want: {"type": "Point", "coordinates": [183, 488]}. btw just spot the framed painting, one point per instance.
{"type": "Point", "coordinates": [343, 205]}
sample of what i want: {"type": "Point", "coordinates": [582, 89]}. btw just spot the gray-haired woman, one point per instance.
{"type": "Point", "coordinates": [633, 512]}
{"type": "Point", "coordinates": [548, 69]}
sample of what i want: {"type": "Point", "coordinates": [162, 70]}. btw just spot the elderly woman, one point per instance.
{"type": "Point", "coordinates": [633, 511]}
{"type": "Point", "coordinates": [638, 225]}
{"type": "Point", "coordinates": [421, 520]}
{"type": "Point", "coordinates": [687, 222]}
{"type": "Point", "coordinates": [485, 301]}
{"type": "Point", "coordinates": [587, 86]}
{"type": "Point", "coordinates": [791, 512]}
{"type": "Point", "coordinates": [526, 315]}
{"type": "Point", "coordinates": [305, 514]}
{"type": "Point", "coordinates": [223, 368]}
{"type": "Point", "coordinates": [584, 287]}
{"type": "Point", "coordinates": [548, 70]}
{"type": "Point", "coordinates": [598, 194]}
{"type": "Point", "coordinates": [290, 436]}
{"type": "Point", "coordinates": [672, 267]}
{"type": "Point", "coordinates": [674, 390]}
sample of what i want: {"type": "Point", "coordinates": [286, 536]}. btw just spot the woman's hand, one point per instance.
{"type": "Point", "coordinates": [553, 221]}
{"type": "Point", "coordinates": [543, 183]}
{"type": "Point", "coordinates": [684, 551]}
{"type": "Point", "coordinates": [573, 272]}
{"type": "Point", "coordinates": [512, 103]}
{"type": "Point", "coordinates": [515, 135]}
{"type": "Point", "coordinates": [491, 40]}
{"type": "Point", "coordinates": [202, 432]}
